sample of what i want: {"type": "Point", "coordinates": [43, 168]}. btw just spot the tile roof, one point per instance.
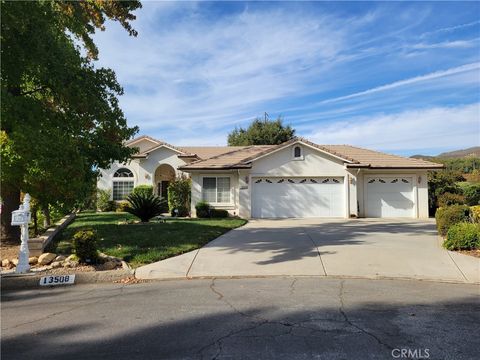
{"type": "Point", "coordinates": [237, 157]}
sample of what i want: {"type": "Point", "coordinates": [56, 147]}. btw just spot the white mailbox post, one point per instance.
{"type": "Point", "coordinates": [21, 217]}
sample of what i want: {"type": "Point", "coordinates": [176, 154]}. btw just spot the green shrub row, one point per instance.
{"type": "Point", "coordinates": [463, 236]}
{"type": "Point", "coordinates": [450, 215]}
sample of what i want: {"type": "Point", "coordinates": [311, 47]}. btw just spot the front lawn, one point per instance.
{"type": "Point", "coordinates": [141, 244]}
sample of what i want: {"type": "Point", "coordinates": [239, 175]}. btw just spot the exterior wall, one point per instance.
{"type": "Point", "coordinates": [314, 163]}
{"type": "Point", "coordinates": [197, 181]}
{"type": "Point", "coordinates": [143, 169]}
{"type": "Point", "coordinates": [420, 188]}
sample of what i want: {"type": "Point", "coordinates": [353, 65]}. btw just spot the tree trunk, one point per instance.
{"type": "Point", "coordinates": [10, 202]}
{"type": "Point", "coordinates": [46, 217]}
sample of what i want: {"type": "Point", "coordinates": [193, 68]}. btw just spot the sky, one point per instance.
{"type": "Point", "coordinates": [402, 78]}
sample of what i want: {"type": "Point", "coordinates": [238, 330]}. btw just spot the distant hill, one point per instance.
{"type": "Point", "coordinates": [473, 151]}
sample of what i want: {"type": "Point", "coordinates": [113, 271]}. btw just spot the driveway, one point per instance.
{"type": "Point", "coordinates": [369, 248]}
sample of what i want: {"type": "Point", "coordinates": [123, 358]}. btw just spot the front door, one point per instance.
{"type": "Point", "coordinates": [162, 189]}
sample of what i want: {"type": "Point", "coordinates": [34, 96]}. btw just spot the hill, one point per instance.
{"type": "Point", "coordinates": [470, 152]}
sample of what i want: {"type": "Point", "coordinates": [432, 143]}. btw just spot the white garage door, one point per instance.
{"type": "Point", "coordinates": [389, 196]}
{"type": "Point", "coordinates": [297, 197]}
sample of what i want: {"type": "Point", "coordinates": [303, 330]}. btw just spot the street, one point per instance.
{"type": "Point", "coordinates": [253, 318]}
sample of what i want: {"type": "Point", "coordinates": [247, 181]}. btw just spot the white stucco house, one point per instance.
{"type": "Point", "coordinates": [295, 179]}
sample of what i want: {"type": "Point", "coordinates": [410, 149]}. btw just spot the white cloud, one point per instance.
{"type": "Point", "coordinates": [433, 128]}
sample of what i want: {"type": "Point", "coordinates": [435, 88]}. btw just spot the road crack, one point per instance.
{"type": "Point", "coordinates": [349, 322]}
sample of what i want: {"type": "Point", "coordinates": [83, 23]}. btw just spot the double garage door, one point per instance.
{"type": "Point", "coordinates": [298, 197]}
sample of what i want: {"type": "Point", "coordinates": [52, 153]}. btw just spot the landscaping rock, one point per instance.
{"type": "Point", "coordinates": [15, 262]}
{"type": "Point", "coordinates": [33, 260]}
{"type": "Point", "coordinates": [46, 258]}
{"type": "Point", "coordinates": [56, 264]}
{"type": "Point", "coordinates": [60, 258]}
{"type": "Point", "coordinates": [109, 265]}
{"type": "Point", "coordinates": [7, 264]}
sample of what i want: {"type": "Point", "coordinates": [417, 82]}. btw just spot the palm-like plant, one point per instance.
{"type": "Point", "coordinates": [145, 206]}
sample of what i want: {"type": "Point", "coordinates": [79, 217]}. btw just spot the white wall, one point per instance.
{"type": "Point", "coordinates": [197, 181]}
{"type": "Point", "coordinates": [315, 163]}
{"type": "Point", "coordinates": [143, 169]}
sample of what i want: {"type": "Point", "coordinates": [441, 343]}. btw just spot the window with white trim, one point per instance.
{"type": "Point", "coordinates": [216, 190]}
{"type": "Point", "coordinates": [122, 184]}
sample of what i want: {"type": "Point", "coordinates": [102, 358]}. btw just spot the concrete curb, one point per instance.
{"type": "Point", "coordinates": [28, 281]}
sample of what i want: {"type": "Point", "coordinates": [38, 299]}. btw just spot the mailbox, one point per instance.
{"type": "Point", "coordinates": [20, 217]}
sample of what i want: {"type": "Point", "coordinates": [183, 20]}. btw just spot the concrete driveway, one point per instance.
{"type": "Point", "coordinates": [369, 248]}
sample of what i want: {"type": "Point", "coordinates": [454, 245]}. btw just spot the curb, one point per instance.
{"type": "Point", "coordinates": [29, 281]}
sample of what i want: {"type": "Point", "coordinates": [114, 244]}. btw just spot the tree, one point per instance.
{"type": "Point", "coordinates": [261, 132]}
{"type": "Point", "coordinates": [60, 115]}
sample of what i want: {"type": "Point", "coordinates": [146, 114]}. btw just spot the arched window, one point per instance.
{"type": "Point", "coordinates": [123, 173]}
{"type": "Point", "coordinates": [297, 152]}
{"type": "Point", "coordinates": [122, 184]}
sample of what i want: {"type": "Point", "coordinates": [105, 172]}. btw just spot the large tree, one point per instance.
{"type": "Point", "coordinates": [261, 132]}
{"type": "Point", "coordinates": [60, 114]}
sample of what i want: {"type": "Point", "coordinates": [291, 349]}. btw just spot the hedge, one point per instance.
{"type": "Point", "coordinates": [463, 236]}
{"type": "Point", "coordinates": [450, 215]}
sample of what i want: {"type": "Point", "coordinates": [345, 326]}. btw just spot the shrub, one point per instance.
{"type": "Point", "coordinates": [218, 213]}
{"type": "Point", "coordinates": [85, 246]}
{"type": "Point", "coordinates": [203, 209]}
{"type": "Point", "coordinates": [475, 213]}
{"type": "Point", "coordinates": [471, 193]}
{"type": "Point", "coordinates": [440, 182]}
{"type": "Point", "coordinates": [143, 189]}
{"type": "Point", "coordinates": [103, 200]}
{"type": "Point", "coordinates": [179, 192]}
{"type": "Point", "coordinates": [447, 199]}
{"type": "Point", "coordinates": [145, 206]}
{"type": "Point", "coordinates": [449, 216]}
{"type": "Point", "coordinates": [122, 206]}
{"type": "Point", "coordinates": [463, 236]}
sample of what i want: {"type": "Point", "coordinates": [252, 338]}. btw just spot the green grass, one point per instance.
{"type": "Point", "coordinates": [141, 244]}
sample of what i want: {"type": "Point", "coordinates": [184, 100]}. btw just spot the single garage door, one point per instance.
{"type": "Point", "coordinates": [298, 197]}
{"type": "Point", "coordinates": [389, 196]}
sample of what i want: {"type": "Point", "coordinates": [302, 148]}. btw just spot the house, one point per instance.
{"type": "Point", "coordinates": [295, 179]}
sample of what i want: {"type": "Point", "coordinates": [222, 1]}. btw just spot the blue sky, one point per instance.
{"type": "Point", "coordinates": [396, 77]}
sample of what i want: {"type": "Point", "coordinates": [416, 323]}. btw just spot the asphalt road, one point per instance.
{"type": "Point", "coordinates": [269, 318]}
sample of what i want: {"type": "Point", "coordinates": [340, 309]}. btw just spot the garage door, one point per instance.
{"type": "Point", "coordinates": [390, 197]}
{"type": "Point", "coordinates": [297, 197]}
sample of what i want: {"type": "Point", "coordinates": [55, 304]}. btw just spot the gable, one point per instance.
{"type": "Point", "coordinates": [143, 144]}
{"type": "Point", "coordinates": [313, 162]}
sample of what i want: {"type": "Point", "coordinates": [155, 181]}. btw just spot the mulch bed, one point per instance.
{"type": "Point", "coordinates": [474, 253]}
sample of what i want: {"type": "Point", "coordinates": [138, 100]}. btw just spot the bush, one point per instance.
{"type": "Point", "coordinates": [203, 209]}
{"type": "Point", "coordinates": [145, 206]}
{"type": "Point", "coordinates": [475, 213]}
{"type": "Point", "coordinates": [463, 236]}
{"type": "Point", "coordinates": [179, 192]}
{"type": "Point", "coordinates": [471, 192]}
{"type": "Point", "coordinates": [448, 199]}
{"type": "Point", "coordinates": [143, 190]}
{"type": "Point", "coordinates": [449, 216]}
{"type": "Point", "coordinates": [85, 246]}
{"type": "Point", "coordinates": [440, 182]}
{"type": "Point", "coordinates": [122, 206]}
{"type": "Point", "coordinates": [104, 202]}
{"type": "Point", "coordinates": [218, 213]}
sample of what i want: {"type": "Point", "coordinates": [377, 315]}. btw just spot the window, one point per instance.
{"type": "Point", "coordinates": [297, 153]}
{"type": "Point", "coordinates": [216, 189]}
{"type": "Point", "coordinates": [123, 173]}
{"type": "Point", "coordinates": [122, 184]}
